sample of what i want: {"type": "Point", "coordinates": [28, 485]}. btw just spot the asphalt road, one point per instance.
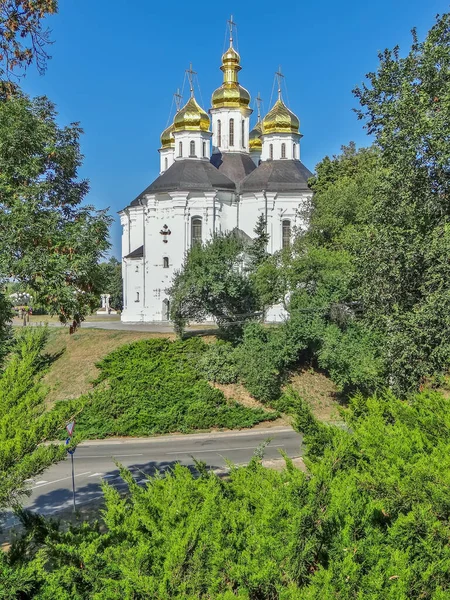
{"type": "Point", "coordinates": [51, 492]}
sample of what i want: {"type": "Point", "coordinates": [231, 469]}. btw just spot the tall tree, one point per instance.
{"type": "Point", "coordinates": [49, 239]}
{"type": "Point", "coordinates": [213, 282]}
{"type": "Point", "coordinates": [405, 272]}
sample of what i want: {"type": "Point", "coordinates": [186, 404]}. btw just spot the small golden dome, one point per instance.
{"type": "Point", "coordinates": [231, 56]}
{"type": "Point", "coordinates": [254, 140]}
{"type": "Point", "coordinates": [167, 139]}
{"type": "Point", "coordinates": [230, 93]}
{"type": "Point", "coordinates": [280, 120]}
{"type": "Point", "coordinates": [191, 117]}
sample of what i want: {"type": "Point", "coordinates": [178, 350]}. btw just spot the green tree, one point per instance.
{"type": "Point", "coordinates": [49, 240]}
{"type": "Point", "coordinates": [257, 249]}
{"type": "Point", "coordinates": [213, 282]}
{"type": "Point", "coordinates": [112, 284]}
{"type": "Point", "coordinates": [403, 267]}
{"type": "Point", "coordinates": [25, 422]}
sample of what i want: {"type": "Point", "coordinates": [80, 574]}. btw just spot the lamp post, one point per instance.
{"type": "Point", "coordinates": [70, 428]}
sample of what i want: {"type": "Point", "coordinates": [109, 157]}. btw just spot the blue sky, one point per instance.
{"type": "Point", "coordinates": [116, 64]}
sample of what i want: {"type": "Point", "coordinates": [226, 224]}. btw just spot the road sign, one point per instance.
{"type": "Point", "coordinates": [70, 427]}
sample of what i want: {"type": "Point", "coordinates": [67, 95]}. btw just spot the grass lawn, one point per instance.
{"type": "Point", "coordinates": [75, 357]}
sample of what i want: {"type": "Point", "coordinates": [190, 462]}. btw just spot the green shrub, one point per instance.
{"type": "Point", "coordinates": [218, 363]}
{"type": "Point", "coordinates": [370, 520]}
{"type": "Point", "coordinates": [258, 363]}
{"type": "Point", "coordinates": [154, 386]}
{"type": "Point", "coordinates": [352, 358]}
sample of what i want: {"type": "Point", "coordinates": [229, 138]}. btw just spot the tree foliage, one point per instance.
{"type": "Point", "coordinates": [25, 422]}
{"type": "Point", "coordinates": [110, 274]}
{"type": "Point", "coordinates": [213, 282]}
{"type": "Point", "coordinates": [404, 270]}
{"type": "Point", "coordinates": [49, 240]}
{"type": "Point", "coordinates": [23, 36]}
{"type": "Point", "coordinates": [370, 519]}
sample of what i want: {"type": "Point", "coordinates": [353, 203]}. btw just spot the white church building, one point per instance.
{"type": "Point", "coordinates": [215, 175]}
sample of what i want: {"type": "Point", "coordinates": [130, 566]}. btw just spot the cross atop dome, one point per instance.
{"type": "Point", "coordinates": [231, 24]}
{"type": "Point", "coordinates": [190, 73]}
{"type": "Point", "coordinates": [279, 75]}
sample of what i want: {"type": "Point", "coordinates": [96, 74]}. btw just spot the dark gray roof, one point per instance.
{"type": "Point", "coordinates": [235, 165]}
{"type": "Point", "coordinates": [189, 175]}
{"type": "Point", "coordinates": [138, 253]}
{"type": "Point", "coordinates": [277, 176]}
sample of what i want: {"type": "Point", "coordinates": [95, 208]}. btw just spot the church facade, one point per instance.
{"type": "Point", "coordinates": [216, 174]}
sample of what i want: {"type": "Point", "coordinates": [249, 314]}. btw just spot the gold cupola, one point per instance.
{"type": "Point", "coordinates": [167, 139]}
{"type": "Point", "coordinates": [254, 140]}
{"type": "Point", "coordinates": [280, 119]}
{"type": "Point", "coordinates": [191, 117]}
{"type": "Point", "coordinates": [230, 94]}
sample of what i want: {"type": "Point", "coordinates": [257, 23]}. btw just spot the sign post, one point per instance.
{"type": "Point", "coordinates": [70, 428]}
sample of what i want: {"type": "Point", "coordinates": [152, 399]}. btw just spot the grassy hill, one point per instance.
{"type": "Point", "coordinates": [74, 369]}
{"type": "Point", "coordinates": [74, 358]}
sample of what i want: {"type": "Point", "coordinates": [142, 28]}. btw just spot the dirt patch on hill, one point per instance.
{"type": "Point", "coordinates": [318, 391]}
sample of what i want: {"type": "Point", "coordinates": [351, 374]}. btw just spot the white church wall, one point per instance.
{"type": "Point", "coordinates": [273, 146]}
{"type": "Point", "coordinates": [240, 142]}
{"type": "Point", "coordinates": [166, 159]}
{"type": "Point", "coordinates": [133, 272]}
{"type": "Point", "coordinates": [201, 141]}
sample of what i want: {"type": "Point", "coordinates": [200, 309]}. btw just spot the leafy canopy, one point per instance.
{"type": "Point", "coordinates": [403, 266]}
{"type": "Point", "coordinates": [370, 519]}
{"type": "Point", "coordinates": [213, 282]}
{"type": "Point", "coordinates": [49, 240]}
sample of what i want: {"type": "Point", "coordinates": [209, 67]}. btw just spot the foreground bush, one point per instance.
{"type": "Point", "coordinates": [154, 386]}
{"type": "Point", "coordinates": [370, 520]}
{"type": "Point", "coordinates": [25, 422]}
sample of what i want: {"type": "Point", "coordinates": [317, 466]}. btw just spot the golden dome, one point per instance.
{"type": "Point", "coordinates": [254, 140]}
{"type": "Point", "coordinates": [280, 119]}
{"type": "Point", "coordinates": [191, 117]}
{"type": "Point", "coordinates": [167, 139]}
{"type": "Point", "coordinates": [230, 93]}
{"type": "Point", "coordinates": [231, 56]}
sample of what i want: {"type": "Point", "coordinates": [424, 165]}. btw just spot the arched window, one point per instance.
{"type": "Point", "coordinates": [180, 149]}
{"type": "Point", "coordinates": [231, 132]}
{"type": "Point", "coordinates": [294, 151]}
{"type": "Point", "coordinates": [137, 296]}
{"type": "Point", "coordinates": [166, 309]}
{"type": "Point", "coordinates": [243, 133]}
{"type": "Point", "coordinates": [204, 149]}
{"type": "Point", "coordinates": [219, 132]}
{"type": "Point", "coordinates": [165, 262]}
{"type": "Point", "coordinates": [196, 230]}
{"type": "Point", "coordinates": [166, 163]}
{"type": "Point", "coordinates": [283, 150]}
{"type": "Point", "coordinates": [271, 151]}
{"type": "Point", "coordinates": [192, 149]}
{"type": "Point", "coordinates": [286, 234]}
